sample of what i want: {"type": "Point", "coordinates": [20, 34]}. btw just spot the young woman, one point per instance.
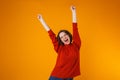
{"type": "Point", "coordinates": [67, 49]}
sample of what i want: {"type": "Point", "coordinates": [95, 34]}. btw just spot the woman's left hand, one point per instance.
{"type": "Point", "coordinates": [72, 8]}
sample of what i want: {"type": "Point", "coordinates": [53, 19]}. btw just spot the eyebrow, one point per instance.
{"type": "Point", "coordinates": [63, 35]}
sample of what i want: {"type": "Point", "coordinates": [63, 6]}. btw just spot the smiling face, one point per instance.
{"type": "Point", "coordinates": [64, 37]}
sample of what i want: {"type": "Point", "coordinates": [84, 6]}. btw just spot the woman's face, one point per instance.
{"type": "Point", "coordinates": [64, 38]}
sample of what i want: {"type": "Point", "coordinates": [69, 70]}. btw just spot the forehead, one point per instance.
{"type": "Point", "coordinates": [62, 34]}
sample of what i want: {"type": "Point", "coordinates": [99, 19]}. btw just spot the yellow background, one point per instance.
{"type": "Point", "coordinates": [26, 52]}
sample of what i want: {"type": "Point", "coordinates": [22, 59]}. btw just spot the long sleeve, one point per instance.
{"type": "Point", "coordinates": [54, 40]}
{"type": "Point", "coordinates": [76, 37]}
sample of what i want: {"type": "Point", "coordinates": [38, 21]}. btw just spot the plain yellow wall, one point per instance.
{"type": "Point", "coordinates": [26, 52]}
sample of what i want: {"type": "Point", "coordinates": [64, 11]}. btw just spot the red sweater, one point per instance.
{"type": "Point", "coordinates": [68, 58]}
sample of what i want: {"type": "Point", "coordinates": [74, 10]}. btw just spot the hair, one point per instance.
{"type": "Point", "coordinates": [58, 37]}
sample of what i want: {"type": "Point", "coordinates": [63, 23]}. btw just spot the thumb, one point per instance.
{"type": "Point", "coordinates": [39, 16]}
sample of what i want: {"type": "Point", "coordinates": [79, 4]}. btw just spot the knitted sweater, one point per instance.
{"type": "Point", "coordinates": [68, 57]}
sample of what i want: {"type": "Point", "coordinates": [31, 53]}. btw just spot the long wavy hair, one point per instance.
{"type": "Point", "coordinates": [65, 31]}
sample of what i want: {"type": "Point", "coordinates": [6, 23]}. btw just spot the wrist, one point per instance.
{"type": "Point", "coordinates": [73, 12]}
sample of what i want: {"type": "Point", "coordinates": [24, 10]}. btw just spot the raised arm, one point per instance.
{"type": "Point", "coordinates": [76, 37]}
{"type": "Point", "coordinates": [73, 9]}
{"type": "Point", "coordinates": [43, 22]}
{"type": "Point", "coordinates": [51, 33]}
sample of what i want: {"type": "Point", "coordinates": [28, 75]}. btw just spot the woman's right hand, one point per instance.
{"type": "Point", "coordinates": [39, 16]}
{"type": "Point", "coordinates": [43, 22]}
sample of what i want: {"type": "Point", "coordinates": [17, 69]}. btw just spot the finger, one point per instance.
{"type": "Point", "coordinates": [73, 7]}
{"type": "Point", "coordinates": [39, 16]}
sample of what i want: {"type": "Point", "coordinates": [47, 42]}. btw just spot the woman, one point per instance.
{"type": "Point", "coordinates": [67, 47]}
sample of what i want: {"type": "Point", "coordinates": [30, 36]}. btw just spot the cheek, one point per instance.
{"type": "Point", "coordinates": [68, 37]}
{"type": "Point", "coordinates": [62, 40]}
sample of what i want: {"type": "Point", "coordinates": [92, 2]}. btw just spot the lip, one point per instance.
{"type": "Point", "coordinates": [66, 40]}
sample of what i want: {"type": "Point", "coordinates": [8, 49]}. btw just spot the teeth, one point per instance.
{"type": "Point", "coordinates": [66, 40]}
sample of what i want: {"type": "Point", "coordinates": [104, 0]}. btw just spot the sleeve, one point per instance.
{"type": "Point", "coordinates": [54, 40]}
{"type": "Point", "coordinates": [76, 37]}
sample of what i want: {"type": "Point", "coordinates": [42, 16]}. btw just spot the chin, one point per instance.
{"type": "Point", "coordinates": [67, 43]}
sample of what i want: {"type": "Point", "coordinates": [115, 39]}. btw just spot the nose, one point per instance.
{"type": "Point", "coordinates": [65, 37]}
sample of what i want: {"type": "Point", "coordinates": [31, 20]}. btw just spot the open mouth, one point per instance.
{"type": "Point", "coordinates": [66, 40]}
